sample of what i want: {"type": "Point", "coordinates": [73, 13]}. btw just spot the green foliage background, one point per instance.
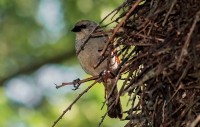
{"type": "Point", "coordinates": [27, 44]}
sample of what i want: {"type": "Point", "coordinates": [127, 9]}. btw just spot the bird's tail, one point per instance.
{"type": "Point", "coordinates": [114, 107]}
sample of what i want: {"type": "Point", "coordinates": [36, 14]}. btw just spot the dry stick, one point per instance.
{"type": "Point", "coordinates": [184, 73]}
{"type": "Point", "coordinates": [188, 108]}
{"type": "Point", "coordinates": [149, 75]}
{"type": "Point", "coordinates": [77, 81]}
{"type": "Point", "coordinates": [116, 20]}
{"type": "Point", "coordinates": [186, 44]}
{"type": "Point", "coordinates": [123, 70]}
{"type": "Point", "coordinates": [134, 60]}
{"type": "Point", "coordinates": [154, 109]}
{"type": "Point", "coordinates": [116, 9]}
{"type": "Point", "coordinates": [125, 82]}
{"type": "Point", "coordinates": [180, 87]}
{"type": "Point", "coordinates": [195, 122]}
{"type": "Point", "coordinates": [129, 124]}
{"type": "Point", "coordinates": [100, 61]}
{"type": "Point", "coordinates": [121, 6]}
{"type": "Point", "coordinates": [134, 115]}
{"type": "Point", "coordinates": [70, 106]}
{"type": "Point", "coordinates": [86, 40]}
{"type": "Point", "coordinates": [125, 53]}
{"type": "Point", "coordinates": [163, 112]}
{"type": "Point", "coordinates": [150, 37]}
{"type": "Point", "coordinates": [167, 15]}
{"type": "Point", "coordinates": [120, 24]}
{"type": "Point", "coordinates": [104, 116]}
{"type": "Point", "coordinates": [129, 99]}
{"type": "Point", "coordinates": [171, 114]}
{"type": "Point", "coordinates": [133, 97]}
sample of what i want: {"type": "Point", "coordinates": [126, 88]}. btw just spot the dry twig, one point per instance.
{"type": "Point", "coordinates": [70, 106]}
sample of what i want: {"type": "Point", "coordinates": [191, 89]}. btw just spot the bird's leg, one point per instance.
{"type": "Point", "coordinates": [76, 83]}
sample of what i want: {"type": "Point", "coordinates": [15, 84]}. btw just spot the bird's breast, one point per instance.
{"type": "Point", "coordinates": [89, 56]}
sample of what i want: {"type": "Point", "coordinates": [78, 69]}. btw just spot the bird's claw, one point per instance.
{"type": "Point", "coordinates": [76, 84]}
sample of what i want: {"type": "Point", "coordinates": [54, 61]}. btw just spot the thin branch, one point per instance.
{"type": "Point", "coordinates": [170, 10]}
{"type": "Point", "coordinates": [116, 9]}
{"type": "Point", "coordinates": [70, 106]}
{"type": "Point", "coordinates": [187, 42]}
{"type": "Point", "coordinates": [105, 114]}
{"type": "Point", "coordinates": [120, 24]}
{"type": "Point", "coordinates": [195, 122]}
{"type": "Point", "coordinates": [77, 81]}
{"type": "Point", "coordinates": [86, 40]}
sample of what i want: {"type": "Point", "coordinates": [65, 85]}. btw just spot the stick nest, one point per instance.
{"type": "Point", "coordinates": [160, 52]}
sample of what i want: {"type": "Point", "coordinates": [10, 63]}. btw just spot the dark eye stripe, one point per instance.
{"type": "Point", "coordinates": [78, 28]}
{"type": "Point", "coordinates": [82, 26]}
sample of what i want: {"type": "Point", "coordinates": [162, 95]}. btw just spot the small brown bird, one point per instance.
{"type": "Point", "coordinates": [90, 55]}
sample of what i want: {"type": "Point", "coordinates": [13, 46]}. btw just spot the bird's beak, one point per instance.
{"type": "Point", "coordinates": [76, 29]}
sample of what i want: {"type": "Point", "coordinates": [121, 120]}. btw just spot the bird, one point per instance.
{"type": "Point", "coordinates": [90, 54]}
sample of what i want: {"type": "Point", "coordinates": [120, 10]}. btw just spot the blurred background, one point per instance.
{"type": "Point", "coordinates": [36, 51]}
